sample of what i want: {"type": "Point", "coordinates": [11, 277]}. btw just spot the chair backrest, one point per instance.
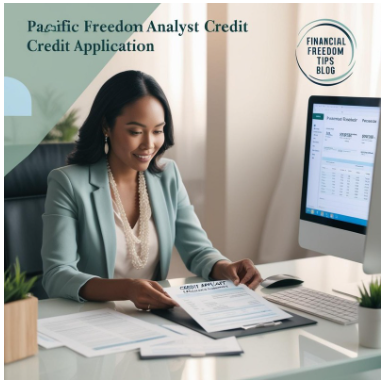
{"type": "Point", "coordinates": [25, 189]}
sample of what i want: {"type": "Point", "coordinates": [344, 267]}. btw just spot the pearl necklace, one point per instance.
{"type": "Point", "coordinates": [138, 260]}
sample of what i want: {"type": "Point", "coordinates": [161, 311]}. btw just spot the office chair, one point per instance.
{"type": "Point", "coordinates": [25, 189]}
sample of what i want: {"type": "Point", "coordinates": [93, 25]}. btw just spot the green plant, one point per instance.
{"type": "Point", "coordinates": [65, 130]}
{"type": "Point", "coordinates": [16, 287]}
{"type": "Point", "coordinates": [370, 299]}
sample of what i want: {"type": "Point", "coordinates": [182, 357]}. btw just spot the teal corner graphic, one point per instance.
{"type": "Point", "coordinates": [41, 86]}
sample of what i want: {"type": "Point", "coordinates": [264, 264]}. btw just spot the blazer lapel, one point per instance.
{"type": "Point", "coordinates": [161, 220]}
{"type": "Point", "coordinates": [104, 210]}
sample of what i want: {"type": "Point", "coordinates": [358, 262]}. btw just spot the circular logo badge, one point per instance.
{"type": "Point", "coordinates": [325, 52]}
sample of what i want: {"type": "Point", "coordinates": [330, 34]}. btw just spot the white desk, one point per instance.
{"type": "Point", "coordinates": [322, 351]}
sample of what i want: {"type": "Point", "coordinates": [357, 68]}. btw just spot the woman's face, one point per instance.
{"type": "Point", "coordinates": [138, 133]}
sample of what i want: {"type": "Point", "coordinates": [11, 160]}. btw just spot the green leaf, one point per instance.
{"type": "Point", "coordinates": [372, 297]}
{"type": "Point", "coordinates": [16, 286]}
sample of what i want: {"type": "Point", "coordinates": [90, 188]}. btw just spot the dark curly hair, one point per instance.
{"type": "Point", "coordinates": [122, 89]}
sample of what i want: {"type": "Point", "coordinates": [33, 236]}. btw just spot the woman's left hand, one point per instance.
{"type": "Point", "coordinates": [240, 272]}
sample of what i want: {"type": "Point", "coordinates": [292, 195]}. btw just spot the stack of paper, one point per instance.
{"type": "Point", "coordinates": [105, 331]}
{"type": "Point", "coordinates": [102, 331]}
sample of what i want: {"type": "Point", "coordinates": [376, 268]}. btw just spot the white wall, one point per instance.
{"type": "Point", "coordinates": [281, 229]}
{"type": "Point", "coordinates": [260, 87]}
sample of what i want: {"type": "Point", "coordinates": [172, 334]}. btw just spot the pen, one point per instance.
{"type": "Point", "coordinates": [262, 325]}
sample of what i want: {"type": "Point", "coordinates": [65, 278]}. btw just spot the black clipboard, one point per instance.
{"type": "Point", "coordinates": [180, 316]}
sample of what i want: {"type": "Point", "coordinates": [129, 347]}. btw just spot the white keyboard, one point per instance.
{"type": "Point", "coordinates": [324, 305]}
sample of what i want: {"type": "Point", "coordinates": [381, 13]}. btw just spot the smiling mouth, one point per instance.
{"type": "Point", "coordinates": [143, 156]}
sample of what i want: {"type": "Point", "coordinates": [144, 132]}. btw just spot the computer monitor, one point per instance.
{"type": "Point", "coordinates": [341, 144]}
{"type": "Point", "coordinates": [372, 250]}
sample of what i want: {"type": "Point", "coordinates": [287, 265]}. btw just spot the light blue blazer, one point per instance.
{"type": "Point", "coordinates": [79, 238]}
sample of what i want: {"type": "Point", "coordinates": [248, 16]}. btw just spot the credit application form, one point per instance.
{"type": "Point", "coordinates": [220, 305]}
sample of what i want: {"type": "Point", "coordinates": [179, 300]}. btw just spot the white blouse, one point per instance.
{"type": "Point", "coordinates": [123, 266]}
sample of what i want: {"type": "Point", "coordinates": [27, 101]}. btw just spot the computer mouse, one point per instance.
{"type": "Point", "coordinates": [282, 280]}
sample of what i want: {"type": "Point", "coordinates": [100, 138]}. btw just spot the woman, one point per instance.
{"type": "Point", "coordinates": [115, 181]}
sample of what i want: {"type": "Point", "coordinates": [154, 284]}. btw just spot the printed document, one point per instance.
{"type": "Point", "coordinates": [191, 343]}
{"type": "Point", "coordinates": [103, 331]}
{"type": "Point", "coordinates": [47, 342]}
{"type": "Point", "coordinates": [220, 305]}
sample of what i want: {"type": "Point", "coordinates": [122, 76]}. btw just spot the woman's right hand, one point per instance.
{"type": "Point", "coordinates": [147, 294]}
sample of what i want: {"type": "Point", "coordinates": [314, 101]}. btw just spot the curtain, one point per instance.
{"type": "Point", "coordinates": [280, 233]}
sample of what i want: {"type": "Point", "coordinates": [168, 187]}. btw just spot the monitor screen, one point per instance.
{"type": "Point", "coordinates": [339, 162]}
